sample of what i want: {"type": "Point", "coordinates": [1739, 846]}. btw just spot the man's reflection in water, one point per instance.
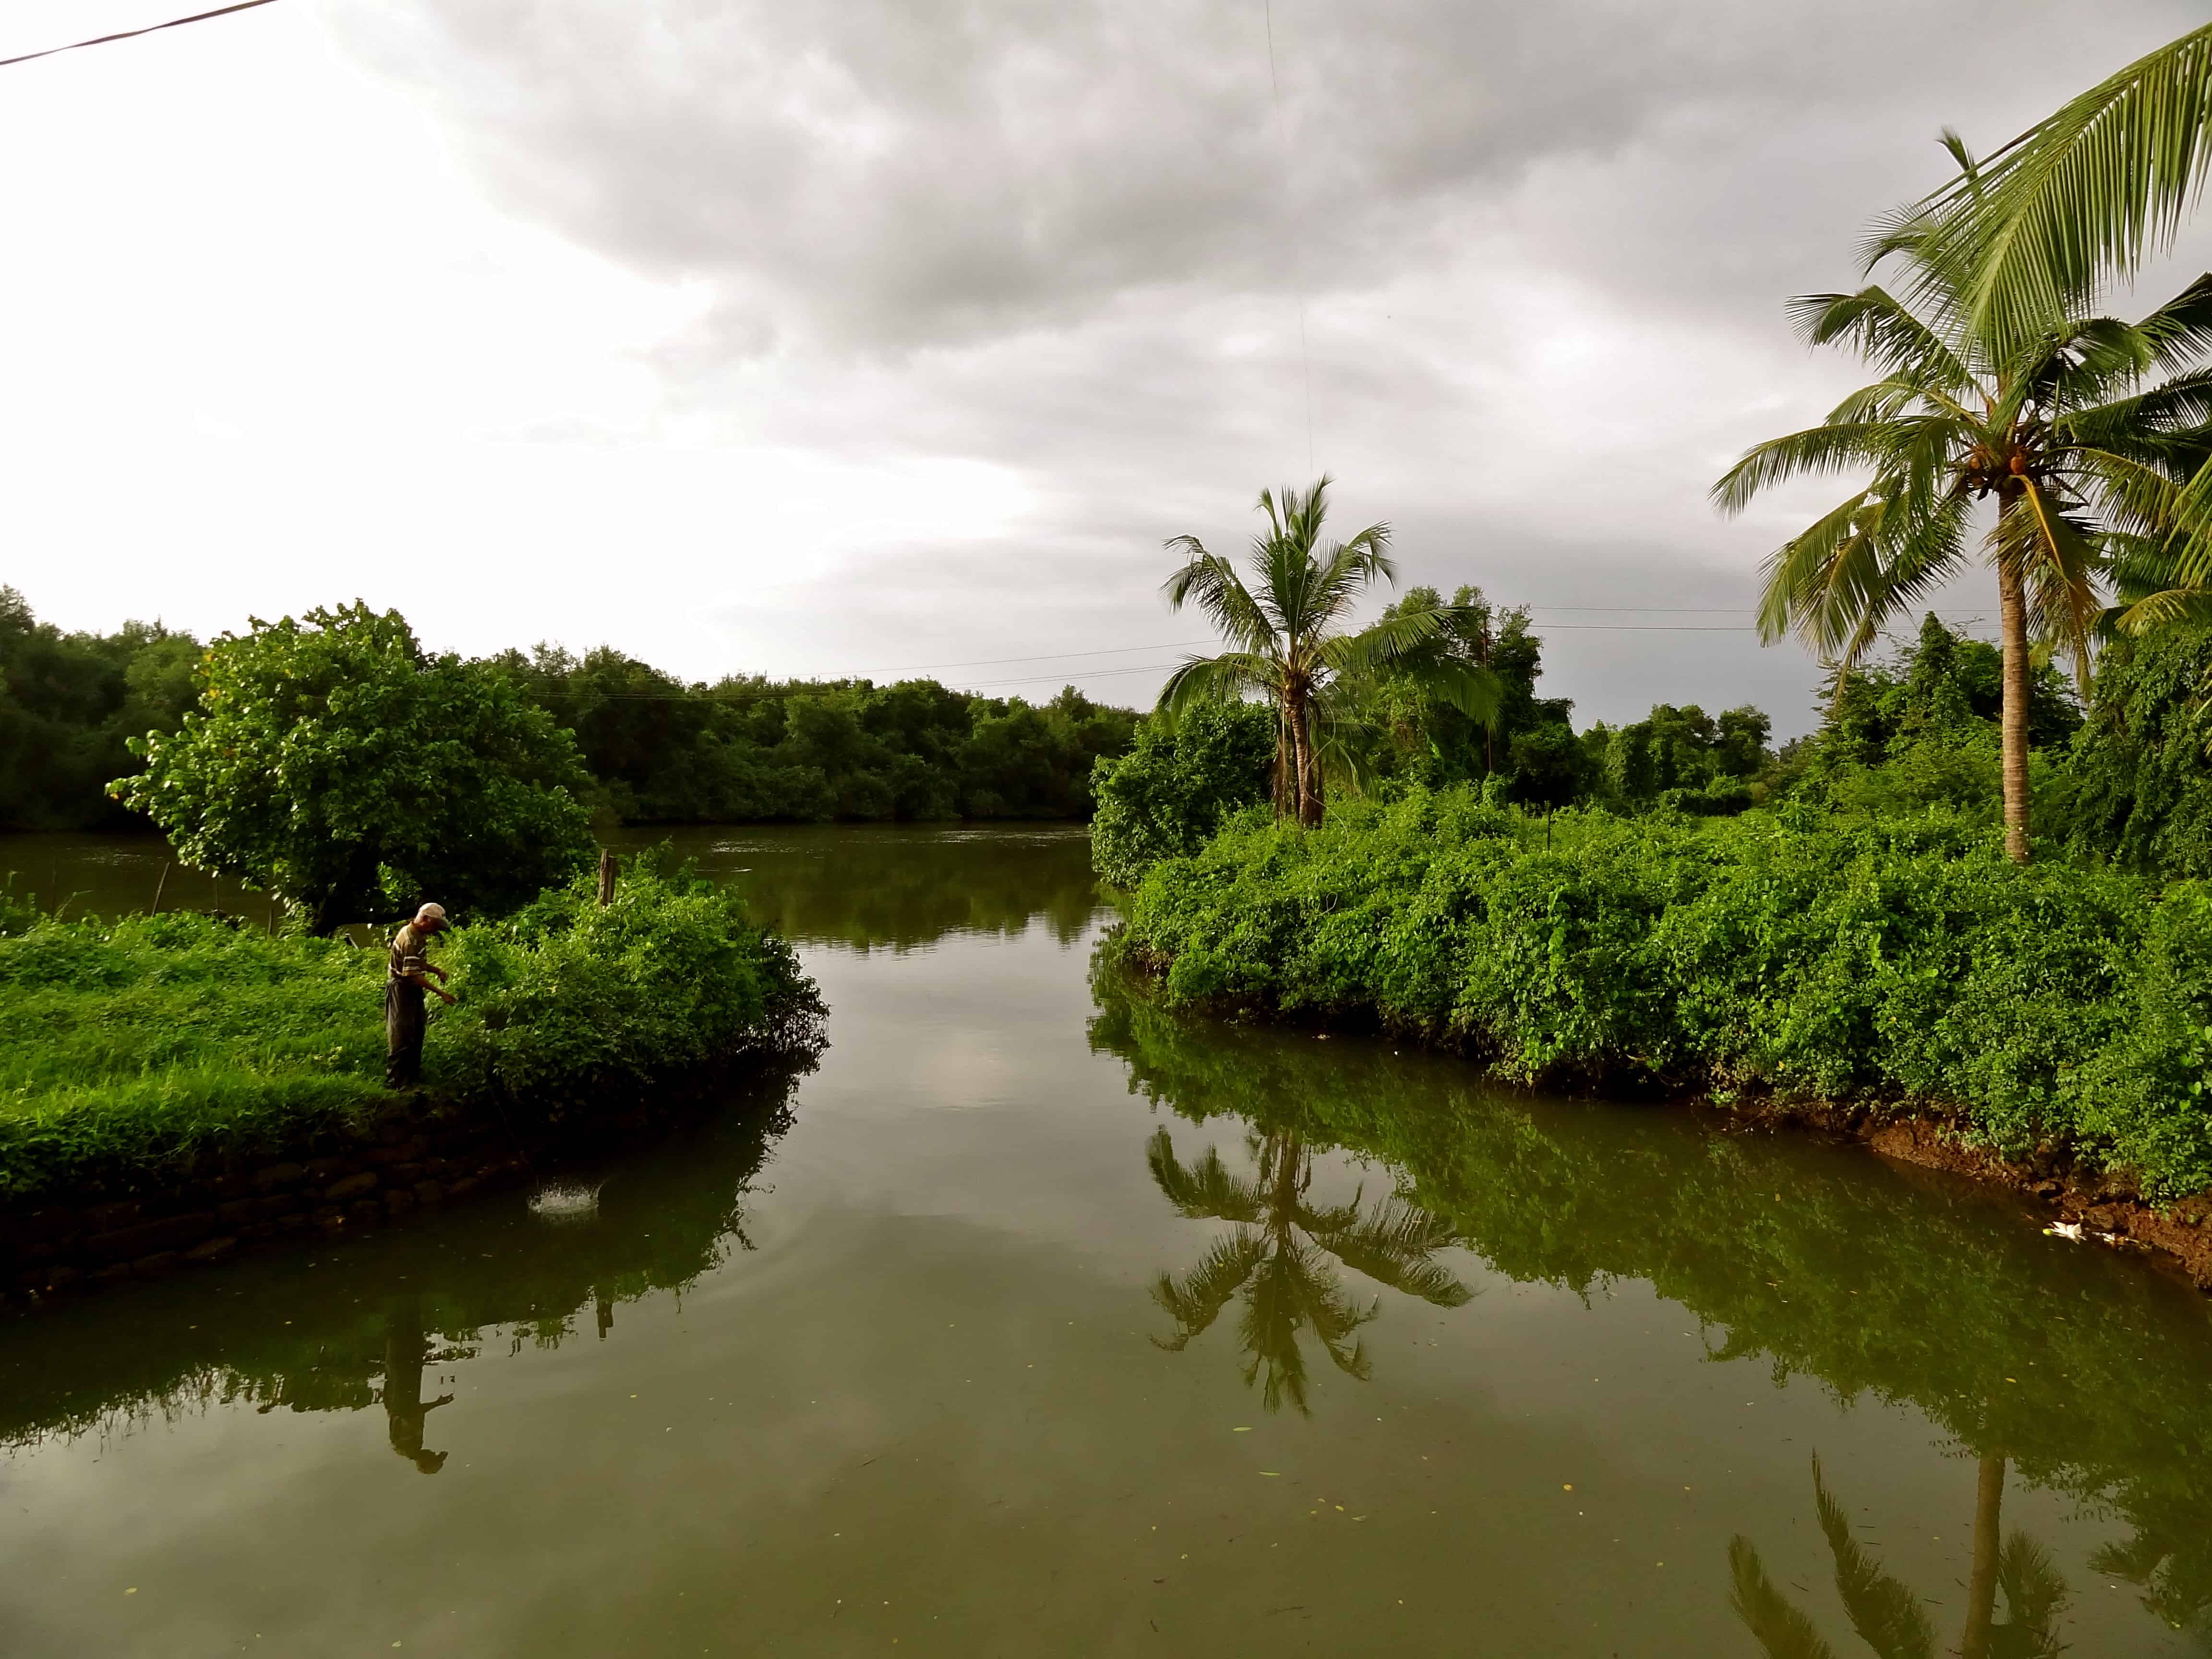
{"type": "Point", "coordinates": [405, 1408]}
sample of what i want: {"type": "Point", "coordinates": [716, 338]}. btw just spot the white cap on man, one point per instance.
{"type": "Point", "coordinates": [430, 912]}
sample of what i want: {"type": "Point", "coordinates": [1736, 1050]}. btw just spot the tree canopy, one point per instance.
{"type": "Point", "coordinates": [334, 762]}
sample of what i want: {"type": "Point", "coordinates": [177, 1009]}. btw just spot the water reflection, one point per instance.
{"type": "Point", "coordinates": [355, 1325]}
{"type": "Point", "coordinates": [1886, 1615]}
{"type": "Point", "coordinates": [902, 887]}
{"type": "Point", "coordinates": [405, 1408]}
{"type": "Point", "coordinates": [2082, 1371]}
{"type": "Point", "coordinates": [1278, 1259]}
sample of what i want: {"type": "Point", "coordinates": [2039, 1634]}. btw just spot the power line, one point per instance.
{"type": "Point", "coordinates": [1048, 656]}
{"type": "Point", "coordinates": [132, 34]}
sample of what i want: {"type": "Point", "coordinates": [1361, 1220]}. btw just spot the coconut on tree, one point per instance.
{"type": "Point", "coordinates": [2048, 456]}
{"type": "Point", "coordinates": [1291, 640]}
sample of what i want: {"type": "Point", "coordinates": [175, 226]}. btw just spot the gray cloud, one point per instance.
{"type": "Point", "coordinates": [1529, 260]}
{"type": "Point", "coordinates": [890, 174]}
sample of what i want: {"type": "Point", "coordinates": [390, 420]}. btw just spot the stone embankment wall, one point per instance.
{"type": "Point", "coordinates": [407, 1162]}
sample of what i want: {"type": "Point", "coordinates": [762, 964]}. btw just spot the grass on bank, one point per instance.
{"type": "Point", "coordinates": [1903, 964]}
{"type": "Point", "coordinates": [136, 1047]}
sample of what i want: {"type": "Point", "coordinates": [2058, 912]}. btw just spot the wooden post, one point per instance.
{"type": "Point", "coordinates": [158, 885]}
{"type": "Point", "coordinates": [607, 866]}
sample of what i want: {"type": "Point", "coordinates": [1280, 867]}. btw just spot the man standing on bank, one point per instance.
{"type": "Point", "coordinates": [406, 978]}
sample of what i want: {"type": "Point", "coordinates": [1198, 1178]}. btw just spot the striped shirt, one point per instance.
{"type": "Point", "coordinates": [407, 957]}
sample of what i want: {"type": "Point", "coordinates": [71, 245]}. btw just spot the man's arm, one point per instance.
{"type": "Point", "coordinates": [422, 978]}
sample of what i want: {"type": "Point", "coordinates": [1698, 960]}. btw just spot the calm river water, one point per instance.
{"type": "Point", "coordinates": [1033, 1321]}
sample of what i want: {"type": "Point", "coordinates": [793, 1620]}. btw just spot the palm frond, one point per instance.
{"type": "Point", "coordinates": [1815, 452]}
{"type": "Point", "coordinates": [1395, 1246]}
{"type": "Point", "coordinates": [1887, 1615]}
{"type": "Point", "coordinates": [1211, 582]}
{"type": "Point", "coordinates": [1224, 678]}
{"type": "Point", "coordinates": [1196, 1300]}
{"type": "Point", "coordinates": [2035, 1595]}
{"type": "Point", "coordinates": [2179, 332]}
{"type": "Point", "coordinates": [1883, 332]}
{"type": "Point", "coordinates": [2085, 194]}
{"type": "Point", "coordinates": [2059, 555]}
{"type": "Point", "coordinates": [1204, 1191]}
{"type": "Point", "coordinates": [1782, 1631]}
{"type": "Point", "coordinates": [1860, 564]}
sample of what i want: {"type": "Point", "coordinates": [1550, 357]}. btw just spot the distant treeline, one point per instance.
{"type": "Point", "coordinates": [658, 750]}
{"type": "Point", "coordinates": [748, 749]}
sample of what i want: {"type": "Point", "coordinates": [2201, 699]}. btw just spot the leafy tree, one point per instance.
{"type": "Point", "coordinates": [1423, 738]}
{"type": "Point", "coordinates": [1288, 641]}
{"type": "Point", "coordinates": [2049, 423]}
{"type": "Point", "coordinates": [1549, 766]}
{"type": "Point", "coordinates": [335, 762]}
{"type": "Point", "coordinates": [69, 702]}
{"type": "Point", "coordinates": [2140, 781]}
{"type": "Point", "coordinates": [1682, 757]}
{"type": "Point", "coordinates": [1278, 1259]}
{"type": "Point", "coordinates": [1177, 782]}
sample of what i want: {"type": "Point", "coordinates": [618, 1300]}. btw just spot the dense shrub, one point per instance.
{"type": "Point", "coordinates": [1177, 783]}
{"type": "Point", "coordinates": [1901, 963]}
{"type": "Point", "coordinates": [2138, 786]}
{"type": "Point", "coordinates": [132, 1048]}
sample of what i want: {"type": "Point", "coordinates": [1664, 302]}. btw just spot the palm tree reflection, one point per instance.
{"type": "Point", "coordinates": [1279, 1260]}
{"type": "Point", "coordinates": [1887, 1617]}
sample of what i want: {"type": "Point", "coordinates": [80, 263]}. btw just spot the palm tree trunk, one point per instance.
{"type": "Point", "coordinates": [2012, 602]}
{"type": "Point", "coordinates": [1302, 759]}
{"type": "Point", "coordinates": [1310, 804]}
{"type": "Point", "coordinates": [1981, 1588]}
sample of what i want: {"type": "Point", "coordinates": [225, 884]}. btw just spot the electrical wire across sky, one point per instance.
{"type": "Point", "coordinates": [131, 35]}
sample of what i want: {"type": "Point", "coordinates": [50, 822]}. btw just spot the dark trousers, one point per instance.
{"type": "Point", "coordinates": [403, 1022]}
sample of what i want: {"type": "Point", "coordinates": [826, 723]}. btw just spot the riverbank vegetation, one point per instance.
{"type": "Point", "coordinates": [1672, 905]}
{"type": "Point", "coordinates": [647, 747]}
{"type": "Point", "coordinates": [1894, 962]}
{"type": "Point", "coordinates": [131, 1050]}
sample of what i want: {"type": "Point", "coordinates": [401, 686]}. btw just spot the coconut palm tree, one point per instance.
{"type": "Point", "coordinates": [2078, 201]}
{"type": "Point", "coordinates": [1278, 1259]}
{"type": "Point", "coordinates": [1886, 1615]}
{"type": "Point", "coordinates": [2079, 464]}
{"type": "Point", "coordinates": [1289, 640]}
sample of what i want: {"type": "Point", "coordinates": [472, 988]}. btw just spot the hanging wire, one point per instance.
{"type": "Point", "coordinates": [132, 34]}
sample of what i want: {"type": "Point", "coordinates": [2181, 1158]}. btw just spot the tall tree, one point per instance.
{"type": "Point", "coordinates": [2053, 430]}
{"type": "Point", "coordinates": [1290, 640]}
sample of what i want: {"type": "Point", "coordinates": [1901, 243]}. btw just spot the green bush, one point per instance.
{"type": "Point", "coordinates": [129, 1050]}
{"type": "Point", "coordinates": [1902, 964]}
{"type": "Point", "coordinates": [1172, 789]}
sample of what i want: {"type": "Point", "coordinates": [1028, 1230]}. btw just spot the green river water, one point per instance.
{"type": "Point", "coordinates": [1035, 1322]}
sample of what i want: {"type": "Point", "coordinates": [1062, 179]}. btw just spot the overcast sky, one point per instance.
{"type": "Point", "coordinates": [855, 336]}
